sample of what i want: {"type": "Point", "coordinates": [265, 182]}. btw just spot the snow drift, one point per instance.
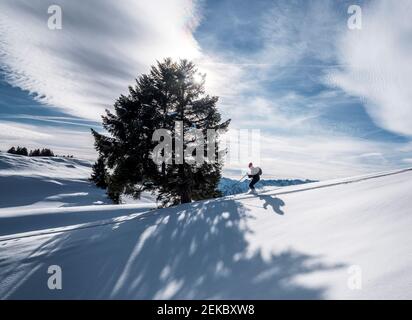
{"type": "Point", "coordinates": [296, 242]}
{"type": "Point", "coordinates": [47, 192]}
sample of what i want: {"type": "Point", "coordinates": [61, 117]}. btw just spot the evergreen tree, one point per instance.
{"type": "Point", "coordinates": [19, 151]}
{"type": "Point", "coordinates": [46, 153]}
{"type": "Point", "coordinates": [22, 151]}
{"type": "Point", "coordinates": [169, 93]}
{"type": "Point", "coordinates": [99, 173]}
{"type": "Point", "coordinates": [35, 153]}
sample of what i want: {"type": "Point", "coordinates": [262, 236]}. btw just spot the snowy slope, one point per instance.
{"type": "Point", "coordinates": [300, 242]}
{"type": "Point", "coordinates": [231, 187]}
{"type": "Point", "coordinates": [47, 192]}
{"type": "Point", "coordinates": [46, 182]}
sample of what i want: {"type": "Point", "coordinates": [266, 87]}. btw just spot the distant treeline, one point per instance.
{"type": "Point", "coordinates": [32, 153]}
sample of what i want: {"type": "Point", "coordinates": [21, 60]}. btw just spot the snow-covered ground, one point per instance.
{"type": "Point", "coordinates": [341, 239]}
{"type": "Point", "coordinates": [39, 193]}
{"type": "Point", "coordinates": [231, 187]}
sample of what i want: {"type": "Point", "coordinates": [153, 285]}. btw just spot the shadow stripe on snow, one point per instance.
{"type": "Point", "coordinates": [79, 226]}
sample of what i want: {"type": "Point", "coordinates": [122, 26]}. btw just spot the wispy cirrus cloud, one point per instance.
{"type": "Point", "coordinates": [101, 48]}
{"type": "Point", "coordinates": [377, 64]}
{"type": "Point", "coordinates": [279, 87]}
{"type": "Point", "coordinates": [319, 155]}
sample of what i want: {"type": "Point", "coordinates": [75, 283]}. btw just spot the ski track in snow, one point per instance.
{"type": "Point", "coordinates": [319, 185]}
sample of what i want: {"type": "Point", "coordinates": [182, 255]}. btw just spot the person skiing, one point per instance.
{"type": "Point", "coordinates": [255, 173]}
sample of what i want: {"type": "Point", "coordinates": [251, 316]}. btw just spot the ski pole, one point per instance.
{"type": "Point", "coordinates": [239, 181]}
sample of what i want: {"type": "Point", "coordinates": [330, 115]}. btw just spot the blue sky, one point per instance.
{"type": "Point", "coordinates": [329, 101]}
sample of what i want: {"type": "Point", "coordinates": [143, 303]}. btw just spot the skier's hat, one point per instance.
{"type": "Point", "coordinates": [250, 164]}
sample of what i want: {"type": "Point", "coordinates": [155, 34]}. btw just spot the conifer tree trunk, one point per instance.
{"type": "Point", "coordinates": [185, 195]}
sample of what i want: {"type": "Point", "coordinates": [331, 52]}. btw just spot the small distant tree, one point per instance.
{"type": "Point", "coordinates": [34, 153]}
{"type": "Point", "coordinates": [22, 151]}
{"type": "Point", "coordinates": [99, 173]}
{"type": "Point", "coordinates": [46, 153]}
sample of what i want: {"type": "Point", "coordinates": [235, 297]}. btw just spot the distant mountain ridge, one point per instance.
{"type": "Point", "coordinates": [229, 186]}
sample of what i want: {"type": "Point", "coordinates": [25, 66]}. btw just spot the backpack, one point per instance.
{"type": "Point", "coordinates": [260, 172]}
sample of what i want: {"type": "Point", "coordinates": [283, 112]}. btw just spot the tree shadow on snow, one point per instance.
{"type": "Point", "coordinates": [193, 251]}
{"type": "Point", "coordinates": [21, 191]}
{"type": "Point", "coordinates": [275, 203]}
